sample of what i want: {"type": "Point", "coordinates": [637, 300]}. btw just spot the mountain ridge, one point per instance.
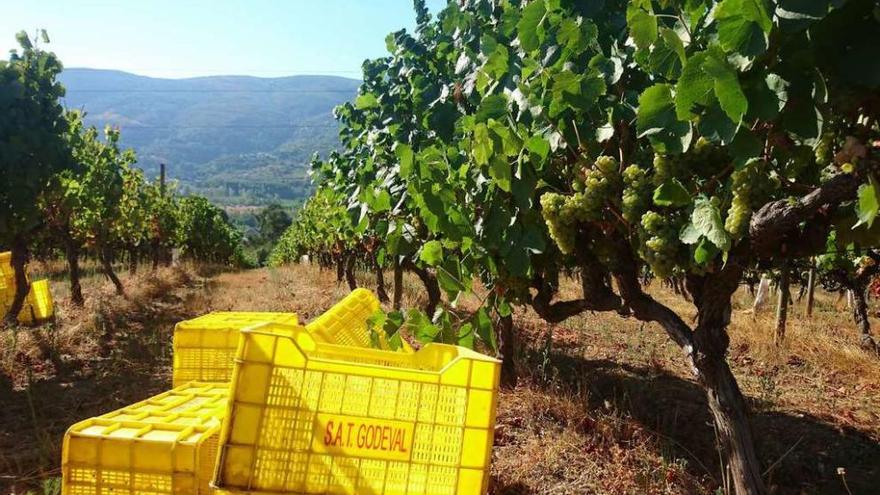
{"type": "Point", "coordinates": [238, 139]}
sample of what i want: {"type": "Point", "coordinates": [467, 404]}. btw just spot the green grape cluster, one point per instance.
{"type": "Point", "coordinates": [636, 193]}
{"type": "Point", "coordinates": [665, 168]}
{"type": "Point", "coordinates": [660, 245]}
{"type": "Point", "coordinates": [607, 165]}
{"type": "Point", "coordinates": [752, 185]}
{"type": "Point", "coordinates": [560, 226]}
{"type": "Point", "coordinates": [596, 187]}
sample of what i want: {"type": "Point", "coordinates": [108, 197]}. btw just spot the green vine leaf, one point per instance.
{"type": "Point", "coordinates": [743, 26]}
{"type": "Point", "coordinates": [527, 27]}
{"type": "Point", "coordinates": [432, 253]}
{"type": "Point", "coordinates": [707, 221]}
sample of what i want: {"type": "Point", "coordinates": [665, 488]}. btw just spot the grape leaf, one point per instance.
{"type": "Point", "coordinates": [642, 24]}
{"type": "Point", "coordinates": [404, 153]}
{"type": "Point", "coordinates": [671, 193]}
{"type": "Point", "coordinates": [668, 54]}
{"type": "Point", "coordinates": [432, 253]}
{"type": "Point", "coordinates": [366, 101]}
{"type": "Point", "coordinates": [483, 147]}
{"type": "Point", "coordinates": [492, 107]}
{"type": "Point", "coordinates": [707, 221]}
{"type": "Point", "coordinates": [527, 27]}
{"type": "Point", "coordinates": [501, 173]}
{"type": "Point", "coordinates": [745, 146]}
{"type": "Point", "coordinates": [705, 252]}
{"type": "Point", "coordinates": [868, 204]}
{"type": "Point", "coordinates": [743, 26]}
{"type": "Point", "coordinates": [654, 110]}
{"type": "Point", "coordinates": [420, 326]}
{"type": "Point", "coordinates": [689, 234]}
{"type": "Point", "coordinates": [483, 325]}
{"type": "Point", "coordinates": [694, 87]}
{"type": "Point", "coordinates": [539, 146]}
{"type": "Point", "coordinates": [466, 336]}
{"type": "Point", "coordinates": [656, 120]}
{"type": "Point", "coordinates": [727, 88]}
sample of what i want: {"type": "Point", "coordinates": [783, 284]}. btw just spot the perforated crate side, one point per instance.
{"type": "Point", "coordinates": [345, 323]}
{"type": "Point", "coordinates": [204, 347]}
{"type": "Point", "coordinates": [310, 417]}
{"type": "Point", "coordinates": [161, 454]}
{"type": "Point", "coordinates": [102, 458]}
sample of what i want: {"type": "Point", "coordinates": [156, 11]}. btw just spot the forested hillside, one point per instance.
{"type": "Point", "coordinates": [233, 138]}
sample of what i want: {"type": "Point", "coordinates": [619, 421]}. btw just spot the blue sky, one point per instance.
{"type": "Point", "coordinates": [186, 38]}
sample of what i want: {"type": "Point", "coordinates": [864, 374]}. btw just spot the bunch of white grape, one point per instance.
{"type": "Point", "coordinates": [752, 185]}
{"type": "Point", "coordinates": [597, 186]}
{"type": "Point", "coordinates": [660, 243]}
{"type": "Point", "coordinates": [637, 189]}
{"type": "Point", "coordinates": [561, 229]}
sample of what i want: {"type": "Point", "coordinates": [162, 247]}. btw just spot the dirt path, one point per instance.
{"type": "Point", "coordinates": [603, 405]}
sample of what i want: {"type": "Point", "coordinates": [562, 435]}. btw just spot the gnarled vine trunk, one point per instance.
{"type": "Point", "coordinates": [856, 288]}
{"type": "Point", "coordinates": [726, 402]}
{"type": "Point", "coordinates": [507, 348]}
{"type": "Point", "coordinates": [860, 314]}
{"type": "Point", "coordinates": [432, 287]}
{"type": "Point", "coordinates": [156, 252]}
{"type": "Point", "coordinates": [340, 268]}
{"type": "Point", "coordinates": [72, 254]}
{"type": "Point", "coordinates": [782, 303]}
{"type": "Point", "coordinates": [732, 428]}
{"type": "Point", "coordinates": [380, 280]}
{"type": "Point", "coordinates": [349, 272]}
{"type": "Point", "coordinates": [106, 255]}
{"type": "Point", "coordinates": [133, 259]}
{"type": "Point", "coordinates": [705, 349]}
{"type": "Point", "coordinates": [22, 287]}
{"type": "Point", "coordinates": [398, 284]}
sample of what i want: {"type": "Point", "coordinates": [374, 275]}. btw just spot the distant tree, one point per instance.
{"type": "Point", "coordinates": [32, 148]}
{"type": "Point", "coordinates": [59, 203]}
{"type": "Point", "coordinates": [101, 190]}
{"type": "Point", "coordinates": [273, 220]}
{"type": "Point", "coordinates": [205, 233]}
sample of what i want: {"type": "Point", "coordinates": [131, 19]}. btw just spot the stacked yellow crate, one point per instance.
{"type": "Point", "coordinates": [7, 281]}
{"type": "Point", "coordinates": [38, 306]}
{"type": "Point", "coordinates": [311, 409]}
{"type": "Point", "coordinates": [204, 347]}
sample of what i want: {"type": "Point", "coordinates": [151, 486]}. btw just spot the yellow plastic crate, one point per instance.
{"type": "Point", "coordinates": [6, 270]}
{"type": "Point", "coordinates": [311, 417]}
{"type": "Point", "coordinates": [6, 293]}
{"type": "Point", "coordinates": [346, 322]}
{"type": "Point", "coordinates": [191, 404]}
{"type": "Point", "coordinates": [163, 445]}
{"type": "Point", "coordinates": [204, 347]}
{"type": "Point", "coordinates": [39, 305]}
{"type": "Point", "coordinates": [6, 262]}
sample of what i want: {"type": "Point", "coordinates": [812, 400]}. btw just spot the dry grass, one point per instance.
{"type": "Point", "coordinates": [604, 404]}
